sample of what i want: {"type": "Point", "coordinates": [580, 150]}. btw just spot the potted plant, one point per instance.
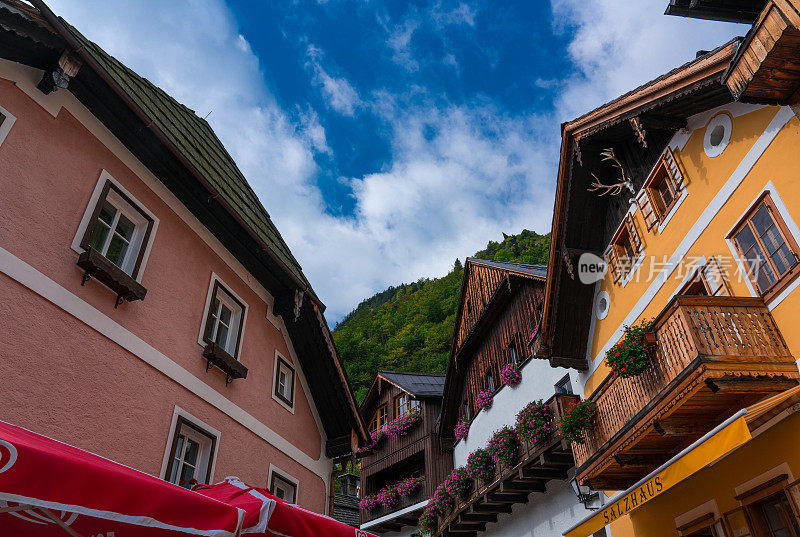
{"type": "Point", "coordinates": [480, 465]}
{"type": "Point", "coordinates": [402, 426]}
{"type": "Point", "coordinates": [577, 420]}
{"type": "Point", "coordinates": [427, 521]}
{"type": "Point", "coordinates": [534, 422]}
{"type": "Point", "coordinates": [628, 358]}
{"type": "Point", "coordinates": [461, 430]}
{"type": "Point", "coordinates": [369, 503]}
{"type": "Point", "coordinates": [409, 485]}
{"type": "Point", "coordinates": [484, 400]}
{"type": "Point", "coordinates": [509, 375]}
{"type": "Point", "coordinates": [458, 484]}
{"type": "Point", "coordinates": [503, 446]}
{"type": "Point", "coordinates": [388, 497]}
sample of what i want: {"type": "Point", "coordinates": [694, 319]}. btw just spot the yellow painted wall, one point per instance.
{"type": "Point", "coordinates": [705, 177]}
{"type": "Point", "coordinates": [776, 446]}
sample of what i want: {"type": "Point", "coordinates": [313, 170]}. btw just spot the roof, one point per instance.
{"type": "Point", "coordinates": [416, 384]}
{"type": "Point", "coordinates": [678, 94]}
{"type": "Point", "coordinates": [745, 11]}
{"type": "Point", "coordinates": [345, 509]}
{"type": "Point", "coordinates": [196, 141]}
{"type": "Point", "coordinates": [539, 271]}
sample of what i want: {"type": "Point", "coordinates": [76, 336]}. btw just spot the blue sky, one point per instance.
{"type": "Point", "coordinates": [388, 138]}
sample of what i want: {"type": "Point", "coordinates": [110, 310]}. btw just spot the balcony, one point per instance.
{"type": "Point", "coordinates": [538, 464]}
{"type": "Point", "coordinates": [396, 523]}
{"type": "Point", "coordinates": [713, 356]}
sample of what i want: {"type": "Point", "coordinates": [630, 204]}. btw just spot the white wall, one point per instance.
{"type": "Point", "coordinates": [538, 382]}
{"type": "Point", "coordinates": [547, 514]}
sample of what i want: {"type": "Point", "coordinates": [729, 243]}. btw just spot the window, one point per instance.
{"type": "Point", "coordinates": [379, 419]}
{"type": "Point", "coordinates": [465, 410]}
{"type": "Point", "coordinates": [488, 382]}
{"type": "Point", "coordinates": [403, 404]}
{"type": "Point", "coordinates": [707, 280]}
{"type": "Point", "coordinates": [191, 454]}
{"type": "Point", "coordinates": [661, 190]}
{"type": "Point", "coordinates": [224, 320]}
{"type": "Point", "coordinates": [283, 486]}
{"type": "Point", "coordinates": [767, 248]}
{"type": "Point", "coordinates": [773, 517]}
{"type": "Point", "coordinates": [718, 135]}
{"type": "Point", "coordinates": [284, 381]}
{"type": "Point", "coordinates": [118, 229]}
{"type": "Point", "coordinates": [625, 248]}
{"type": "Point", "coordinates": [564, 385]}
{"type": "Point", "coordinates": [512, 353]}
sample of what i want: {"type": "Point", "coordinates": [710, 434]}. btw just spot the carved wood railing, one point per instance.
{"type": "Point", "coordinates": [529, 454]}
{"type": "Point", "coordinates": [734, 329]}
{"type": "Point", "coordinates": [404, 501]}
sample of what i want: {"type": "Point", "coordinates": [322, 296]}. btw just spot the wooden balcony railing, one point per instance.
{"type": "Point", "coordinates": [537, 464]}
{"type": "Point", "coordinates": [405, 501]}
{"type": "Point", "coordinates": [710, 339]}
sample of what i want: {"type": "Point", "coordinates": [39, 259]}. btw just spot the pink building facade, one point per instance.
{"type": "Point", "coordinates": [153, 383]}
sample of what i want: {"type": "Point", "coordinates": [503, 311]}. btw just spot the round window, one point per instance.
{"type": "Point", "coordinates": [602, 304]}
{"type": "Point", "coordinates": [718, 134]}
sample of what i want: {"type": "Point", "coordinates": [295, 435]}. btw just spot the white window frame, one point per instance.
{"type": "Point", "coordinates": [235, 348]}
{"type": "Point", "coordinates": [285, 476]}
{"type": "Point", "coordinates": [137, 213]}
{"type": "Point", "coordinates": [274, 391]}
{"type": "Point", "coordinates": [8, 122]}
{"type": "Point", "coordinates": [210, 458]}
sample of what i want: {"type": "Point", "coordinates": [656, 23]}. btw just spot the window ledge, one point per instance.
{"type": "Point", "coordinates": [216, 355]}
{"type": "Point", "coordinates": [96, 265]}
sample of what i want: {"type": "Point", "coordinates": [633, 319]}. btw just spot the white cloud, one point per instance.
{"type": "Point", "coordinates": [618, 45]}
{"type": "Point", "coordinates": [339, 94]}
{"type": "Point", "coordinates": [459, 175]}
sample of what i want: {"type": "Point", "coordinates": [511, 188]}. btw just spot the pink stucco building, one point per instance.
{"type": "Point", "coordinates": [150, 311]}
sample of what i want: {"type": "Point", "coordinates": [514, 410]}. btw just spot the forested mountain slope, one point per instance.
{"type": "Point", "coordinates": [409, 327]}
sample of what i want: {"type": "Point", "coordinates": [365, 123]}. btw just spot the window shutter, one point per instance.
{"type": "Point", "coordinates": [715, 278]}
{"type": "Point", "coordinates": [613, 264]}
{"type": "Point", "coordinates": [646, 207]}
{"type": "Point", "coordinates": [674, 172]}
{"type": "Point", "coordinates": [636, 241]}
{"type": "Point", "coordinates": [793, 493]}
{"type": "Point", "coordinates": [736, 523]}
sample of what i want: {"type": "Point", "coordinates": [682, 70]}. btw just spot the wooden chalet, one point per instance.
{"type": "Point", "coordinates": [498, 323]}
{"type": "Point", "coordinates": [418, 454]}
{"type": "Point", "coordinates": [702, 372]}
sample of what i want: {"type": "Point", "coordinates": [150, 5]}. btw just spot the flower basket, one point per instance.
{"type": "Point", "coordinates": [388, 497]}
{"type": "Point", "coordinates": [462, 429]}
{"type": "Point", "coordinates": [629, 358]}
{"type": "Point", "coordinates": [510, 375]}
{"type": "Point", "coordinates": [441, 502]}
{"type": "Point", "coordinates": [427, 521]}
{"type": "Point", "coordinates": [369, 503]}
{"type": "Point", "coordinates": [480, 465]}
{"type": "Point", "coordinates": [458, 484]}
{"type": "Point", "coordinates": [402, 426]}
{"type": "Point", "coordinates": [503, 446]}
{"type": "Point", "coordinates": [483, 400]}
{"type": "Point", "coordinates": [577, 420]}
{"type": "Point", "coordinates": [409, 486]}
{"type": "Point", "coordinates": [535, 422]}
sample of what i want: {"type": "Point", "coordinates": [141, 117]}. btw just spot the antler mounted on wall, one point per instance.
{"type": "Point", "coordinates": [616, 188]}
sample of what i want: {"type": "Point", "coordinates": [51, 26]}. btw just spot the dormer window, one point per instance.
{"type": "Point", "coordinates": [624, 250]}
{"type": "Point", "coordinates": [404, 404]}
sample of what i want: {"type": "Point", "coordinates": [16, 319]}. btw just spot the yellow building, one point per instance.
{"type": "Point", "coordinates": [689, 189]}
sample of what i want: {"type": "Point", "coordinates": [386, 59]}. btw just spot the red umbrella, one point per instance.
{"type": "Point", "coordinates": [269, 515]}
{"type": "Point", "coordinates": [48, 489]}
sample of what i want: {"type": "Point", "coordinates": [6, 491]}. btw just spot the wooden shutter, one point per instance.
{"type": "Point", "coordinates": [646, 207]}
{"type": "Point", "coordinates": [793, 493]}
{"type": "Point", "coordinates": [674, 172]}
{"type": "Point", "coordinates": [736, 523]}
{"type": "Point", "coordinates": [613, 262]}
{"type": "Point", "coordinates": [636, 240]}
{"type": "Point", "coordinates": [715, 279]}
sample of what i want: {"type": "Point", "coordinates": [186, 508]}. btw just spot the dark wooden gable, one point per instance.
{"type": "Point", "coordinates": [507, 316]}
